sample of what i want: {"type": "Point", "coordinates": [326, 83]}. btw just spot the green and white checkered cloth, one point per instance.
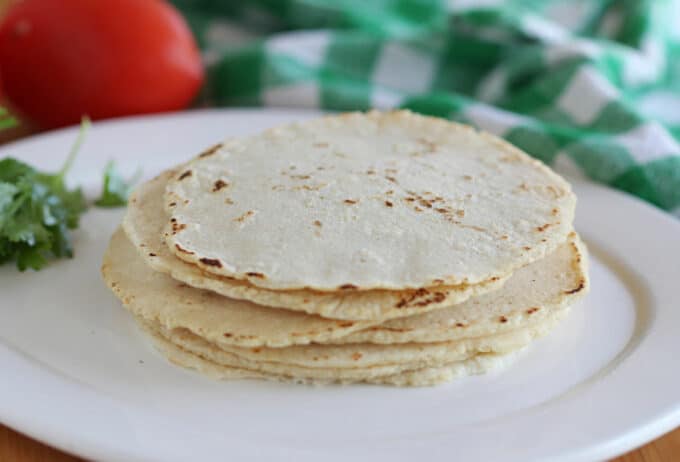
{"type": "Point", "coordinates": [590, 87]}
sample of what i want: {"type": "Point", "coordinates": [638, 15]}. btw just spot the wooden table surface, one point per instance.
{"type": "Point", "coordinates": [16, 447]}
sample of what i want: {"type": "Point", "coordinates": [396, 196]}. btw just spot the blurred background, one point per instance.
{"type": "Point", "coordinates": [589, 86]}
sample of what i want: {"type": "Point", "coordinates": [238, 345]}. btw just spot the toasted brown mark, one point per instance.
{"type": "Point", "coordinates": [348, 287]}
{"type": "Point", "coordinates": [227, 334]}
{"type": "Point", "coordinates": [176, 228]}
{"type": "Point", "coordinates": [410, 199]}
{"type": "Point", "coordinates": [228, 201]}
{"type": "Point", "coordinates": [321, 145]}
{"type": "Point", "coordinates": [300, 177]}
{"type": "Point", "coordinates": [211, 262]}
{"type": "Point", "coordinates": [357, 356]}
{"type": "Point", "coordinates": [467, 177]}
{"type": "Point", "coordinates": [437, 281]}
{"type": "Point", "coordinates": [184, 175]}
{"type": "Point", "coordinates": [532, 310]}
{"type": "Point", "coordinates": [388, 203]}
{"type": "Point", "coordinates": [503, 319]}
{"type": "Point", "coordinates": [210, 151]}
{"type": "Point", "coordinates": [345, 323]}
{"type": "Point", "coordinates": [542, 228]}
{"type": "Point", "coordinates": [460, 324]}
{"type": "Point", "coordinates": [183, 250]}
{"type": "Point", "coordinates": [370, 172]}
{"type": "Point", "coordinates": [151, 254]}
{"type": "Point", "coordinates": [219, 184]}
{"type": "Point", "coordinates": [391, 178]}
{"type": "Point", "coordinates": [555, 211]}
{"type": "Point", "coordinates": [460, 213]}
{"type": "Point", "coordinates": [581, 286]}
{"type": "Point", "coordinates": [256, 350]}
{"type": "Point", "coordinates": [410, 300]}
{"type": "Point", "coordinates": [350, 201]}
{"type": "Point", "coordinates": [243, 217]}
{"type": "Point", "coordinates": [425, 203]}
{"type": "Point", "coordinates": [504, 237]}
{"type": "Point", "coordinates": [172, 204]}
{"type": "Point", "coordinates": [254, 274]}
{"type": "Point", "coordinates": [317, 223]}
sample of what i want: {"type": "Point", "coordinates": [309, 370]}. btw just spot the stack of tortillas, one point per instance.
{"type": "Point", "coordinates": [382, 247]}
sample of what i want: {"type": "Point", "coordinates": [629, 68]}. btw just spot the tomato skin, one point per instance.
{"type": "Point", "coordinates": [61, 59]}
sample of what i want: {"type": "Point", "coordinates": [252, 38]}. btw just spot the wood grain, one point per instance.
{"type": "Point", "coordinates": [16, 447]}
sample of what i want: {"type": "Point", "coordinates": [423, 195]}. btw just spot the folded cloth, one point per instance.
{"type": "Point", "coordinates": [591, 87]}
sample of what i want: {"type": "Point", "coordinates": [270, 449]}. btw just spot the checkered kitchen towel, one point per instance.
{"type": "Point", "coordinates": [587, 86]}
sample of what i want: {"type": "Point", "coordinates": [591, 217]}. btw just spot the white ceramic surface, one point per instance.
{"type": "Point", "coordinates": [78, 375]}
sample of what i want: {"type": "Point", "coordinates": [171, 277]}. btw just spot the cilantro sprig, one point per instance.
{"type": "Point", "coordinates": [38, 210]}
{"type": "Point", "coordinates": [115, 190]}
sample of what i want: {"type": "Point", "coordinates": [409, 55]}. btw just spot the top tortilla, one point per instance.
{"type": "Point", "coordinates": [366, 201]}
{"type": "Point", "coordinates": [143, 224]}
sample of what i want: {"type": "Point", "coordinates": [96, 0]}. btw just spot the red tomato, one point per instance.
{"type": "Point", "coordinates": [61, 59]}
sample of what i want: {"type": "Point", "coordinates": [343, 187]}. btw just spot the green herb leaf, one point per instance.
{"type": "Point", "coordinates": [37, 210]}
{"type": "Point", "coordinates": [115, 190]}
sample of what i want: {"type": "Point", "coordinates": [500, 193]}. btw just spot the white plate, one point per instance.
{"type": "Point", "coordinates": [77, 374]}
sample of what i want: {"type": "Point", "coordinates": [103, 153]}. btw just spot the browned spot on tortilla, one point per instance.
{"type": "Point", "coordinates": [317, 223]}
{"type": "Point", "coordinates": [460, 212]}
{"type": "Point", "coordinates": [219, 184]}
{"type": "Point", "coordinates": [227, 334]}
{"type": "Point", "coordinates": [425, 203]}
{"type": "Point", "coordinates": [348, 287]}
{"type": "Point", "coordinates": [300, 177]}
{"type": "Point", "coordinates": [504, 237]}
{"type": "Point", "coordinates": [389, 192]}
{"type": "Point", "coordinates": [176, 228]}
{"type": "Point", "coordinates": [442, 210]}
{"type": "Point", "coordinates": [532, 310]}
{"type": "Point", "coordinates": [350, 201]}
{"type": "Point", "coordinates": [555, 211]}
{"type": "Point", "coordinates": [580, 287]}
{"type": "Point", "coordinates": [253, 274]}
{"type": "Point", "coordinates": [542, 228]}
{"type": "Point", "coordinates": [321, 145]}
{"type": "Point", "coordinates": [467, 177]}
{"type": "Point", "coordinates": [228, 201]}
{"type": "Point", "coordinates": [523, 187]}
{"type": "Point", "coordinates": [256, 350]}
{"type": "Point", "coordinates": [211, 262]}
{"type": "Point", "coordinates": [172, 204]}
{"type": "Point", "coordinates": [345, 323]}
{"type": "Point", "coordinates": [210, 151]}
{"type": "Point", "coordinates": [437, 281]}
{"type": "Point", "coordinates": [151, 254]}
{"type": "Point", "coordinates": [184, 175]}
{"type": "Point", "coordinates": [526, 247]}
{"type": "Point", "coordinates": [245, 216]}
{"type": "Point", "coordinates": [370, 172]}
{"type": "Point", "coordinates": [503, 319]}
{"type": "Point", "coordinates": [391, 178]}
{"type": "Point", "coordinates": [183, 250]}
{"type": "Point", "coordinates": [409, 199]}
{"type": "Point", "coordinates": [460, 324]}
{"type": "Point", "coordinates": [416, 298]}
{"type": "Point", "coordinates": [417, 209]}
{"type": "Point", "coordinates": [388, 203]}
{"type": "Point", "coordinates": [495, 278]}
{"type": "Point", "coordinates": [357, 356]}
